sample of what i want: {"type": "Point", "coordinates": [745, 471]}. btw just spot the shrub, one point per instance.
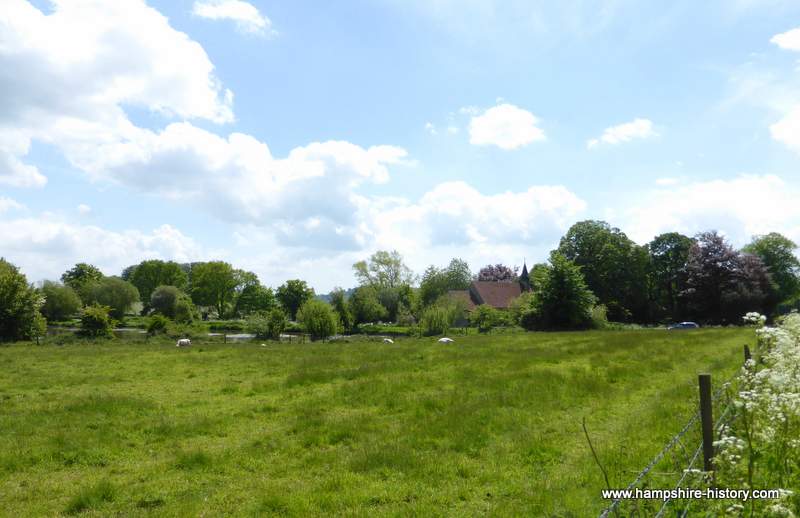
{"type": "Point", "coordinates": [318, 319]}
{"type": "Point", "coordinates": [485, 318]}
{"type": "Point", "coordinates": [164, 299]}
{"type": "Point", "coordinates": [96, 322]}
{"type": "Point", "coordinates": [60, 301]}
{"type": "Point", "coordinates": [519, 307]}
{"type": "Point", "coordinates": [599, 317]}
{"type": "Point", "coordinates": [563, 302]}
{"type": "Point", "coordinates": [157, 324]}
{"type": "Point", "coordinates": [185, 310]}
{"type": "Point", "coordinates": [19, 305]}
{"type": "Point", "coordinates": [114, 293]}
{"type": "Point", "coordinates": [267, 324]}
{"type": "Point", "coordinates": [438, 319]}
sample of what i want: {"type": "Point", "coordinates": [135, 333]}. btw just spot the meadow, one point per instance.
{"type": "Point", "coordinates": [488, 425]}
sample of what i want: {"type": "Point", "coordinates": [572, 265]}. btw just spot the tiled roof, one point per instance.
{"type": "Point", "coordinates": [464, 296]}
{"type": "Point", "coordinates": [496, 294]}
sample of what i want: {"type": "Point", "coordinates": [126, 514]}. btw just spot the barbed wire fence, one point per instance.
{"type": "Point", "coordinates": [685, 460]}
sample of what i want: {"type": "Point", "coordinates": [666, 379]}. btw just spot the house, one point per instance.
{"type": "Point", "coordinates": [495, 294]}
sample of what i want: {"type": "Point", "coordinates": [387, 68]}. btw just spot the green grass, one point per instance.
{"type": "Point", "coordinates": [488, 425]}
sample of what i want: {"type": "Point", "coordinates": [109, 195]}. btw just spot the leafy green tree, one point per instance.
{"type": "Point", "coordinates": [485, 318]}
{"type": "Point", "coordinates": [564, 301]}
{"type": "Point", "coordinates": [20, 318]}
{"type": "Point", "coordinates": [342, 309]}
{"type": "Point", "coordinates": [96, 322]}
{"type": "Point", "coordinates": [668, 255]}
{"type": "Point", "coordinates": [293, 294]}
{"type": "Point", "coordinates": [254, 297]}
{"type": "Point", "coordinates": [80, 277]}
{"type": "Point", "coordinates": [157, 324]}
{"type": "Point", "coordinates": [114, 293]}
{"type": "Point", "coordinates": [318, 319]}
{"type": "Point", "coordinates": [174, 304]}
{"type": "Point", "coordinates": [436, 282]}
{"type": "Point", "coordinates": [365, 306]}
{"type": "Point", "coordinates": [214, 284]}
{"type": "Point", "coordinates": [149, 275]}
{"type": "Point", "coordinates": [538, 274]}
{"type": "Point", "coordinates": [383, 269]}
{"type": "Point", "coordinates": [777, 252]}
{"type": "Point", "coordinates": [60, 301]}
{"type": "Point", "coordinates": [438, 318]}
{"type": "Point", "coordinates": [615, 268]}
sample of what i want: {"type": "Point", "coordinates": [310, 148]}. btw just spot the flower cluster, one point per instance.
{"type": "Point", "coordinates": [760, 447]}
{"type": "Point", "coordinates": [754, 318]}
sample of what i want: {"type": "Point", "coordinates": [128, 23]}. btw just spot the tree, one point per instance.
{"type": "Point", "coordinates": [668, 255]}
{"type": "Point", "coordinates": [114, 293]}
{"type": "Point", "coordinates": [254, 297]}
{"type": "Point", "coordinates": [80, 276]}
{"type": "Point", "coordinates": [173, 303]}
{"type": "Point", "coordinates": [438, 318]}
{"type": "Point", "coordinates": [342, 309]}
{"type": "Point", "coordinates": [365, 306]}
{"type": "Point", "coordinates": [436, 282]}
{"type": "Point", "coordinates": [318, 319]}
{"type": "Point", "coordinates": [293, 294]}
{"type": "Point", "coordinates": [721, 283]}
{"type": "Point", "coordinates": [778, 255]}
{"type": "Point", "coordinates": [383, 269]}
{"type": "Point", "coordinates": [60, 301]}
{"type": "Point", "coordinates": [20, 318]}
{"type": "Point", "coordinates": [213, 284]}
{"type": "Point", "coordinates": [266, 324]}
{"type": "Point", "coordinates": [497, 273]}
{"type": "Point", "coordinates": [538, 274]}
{"type": "Point", "coordinates": [564, 301]}
{"type": "Point", "coordinates": [615, 268]}
{"type": "Point", "coordinates": [148, 275]}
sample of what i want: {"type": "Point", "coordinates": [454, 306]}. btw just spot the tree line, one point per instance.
{"type": "Point", "coordinates": [596, 274]}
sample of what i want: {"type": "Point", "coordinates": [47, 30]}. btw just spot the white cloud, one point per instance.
{"type": "Point", "coordinates": [430, 128]}
{"type": "Point", "coordinates": [505, 126]}
{"type": "Point", "coordinates": [7, 205]}
{"type": "Point", "coordinates": [787, 130]}
{"type": "Point", "coordinates": [45, 246]}
{"type": "Point", "coordinates": [246, 16]}
{"type": "Point", "coordinates": [636, 129]}
{"type": "Point", "coordinates": [67, 75]}
{"type": "Point", "coordinates": [741, 207]}
{"type": "Point", "coordinates": [789, 40]}
{"type": "Point", "coordinates": [84, 209]}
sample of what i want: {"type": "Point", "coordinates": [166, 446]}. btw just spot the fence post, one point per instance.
{"type": "Point", "coordinates": [224, 338]}
{"type": "Point", "coordinates": [747, 355]}
{"type": "Point", "coordinates": [707, 421]}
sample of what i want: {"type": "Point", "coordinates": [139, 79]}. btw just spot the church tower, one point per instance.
{"type": "Point", "coordinates": [524, 278]}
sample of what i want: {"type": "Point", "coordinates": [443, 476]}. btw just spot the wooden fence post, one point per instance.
{"type": "Point", "coordinates": [224, 338]}
{"type": "Point", "coordinates": [747, 355]}
{"type": "Point", "coordinates": [706, 421]}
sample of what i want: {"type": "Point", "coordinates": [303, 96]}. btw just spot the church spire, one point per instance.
{"type": "Point", "coordinates": [524, 278]}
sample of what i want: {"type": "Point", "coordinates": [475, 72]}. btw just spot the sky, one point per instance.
{"type": "Point", "coordinates": [293, 139]}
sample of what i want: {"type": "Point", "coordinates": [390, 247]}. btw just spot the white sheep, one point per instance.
{"type": "Point", "coordinates": [183, 342]}
{"type": "Point", "coordinates": [388, 341]}
{"type": "Point", "coordinates": [445, 340]}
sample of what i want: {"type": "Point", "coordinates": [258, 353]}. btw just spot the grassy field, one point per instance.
{"type": "Point", "coordinates": [488, 425]}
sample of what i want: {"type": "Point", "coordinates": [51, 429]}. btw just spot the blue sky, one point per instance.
{"type": "Point", "coordinates": [295, 138]}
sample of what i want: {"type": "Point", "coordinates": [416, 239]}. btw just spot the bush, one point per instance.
{"type": "Point", "coordinates": [96, 322]}
{"type": "Point", "coordinates": [158, 324]}
{"type": "Point", "coordinates": [438, 319]}
{"type": "Point", "coordinates": [19, 306]}
{"type": "Point", "coordinates": [114, 293]}
{"type": "Point", "coordinates": [485, 318]}
{"type": "Point", "coordinates": [563, 302]}
{"type": "Point", "coordinates": [60, 301]}
{"type": "Point", "coordinates": [267, 324]}
{"type": "Point", "coordinates": [599, 317]}
{"type": "Point", "coordinates": [318, 319]}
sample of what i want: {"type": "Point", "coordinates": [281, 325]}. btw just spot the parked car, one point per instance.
{"type": "Point", "coordinates": [683, 325]}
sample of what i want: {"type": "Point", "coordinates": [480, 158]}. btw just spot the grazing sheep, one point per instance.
{"type": "Point", "coordinates": [388, 341]}
{"type": "Point", "coordinates": [183, 342]}
{"type": "Point", "coordinates": [445, 340]}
